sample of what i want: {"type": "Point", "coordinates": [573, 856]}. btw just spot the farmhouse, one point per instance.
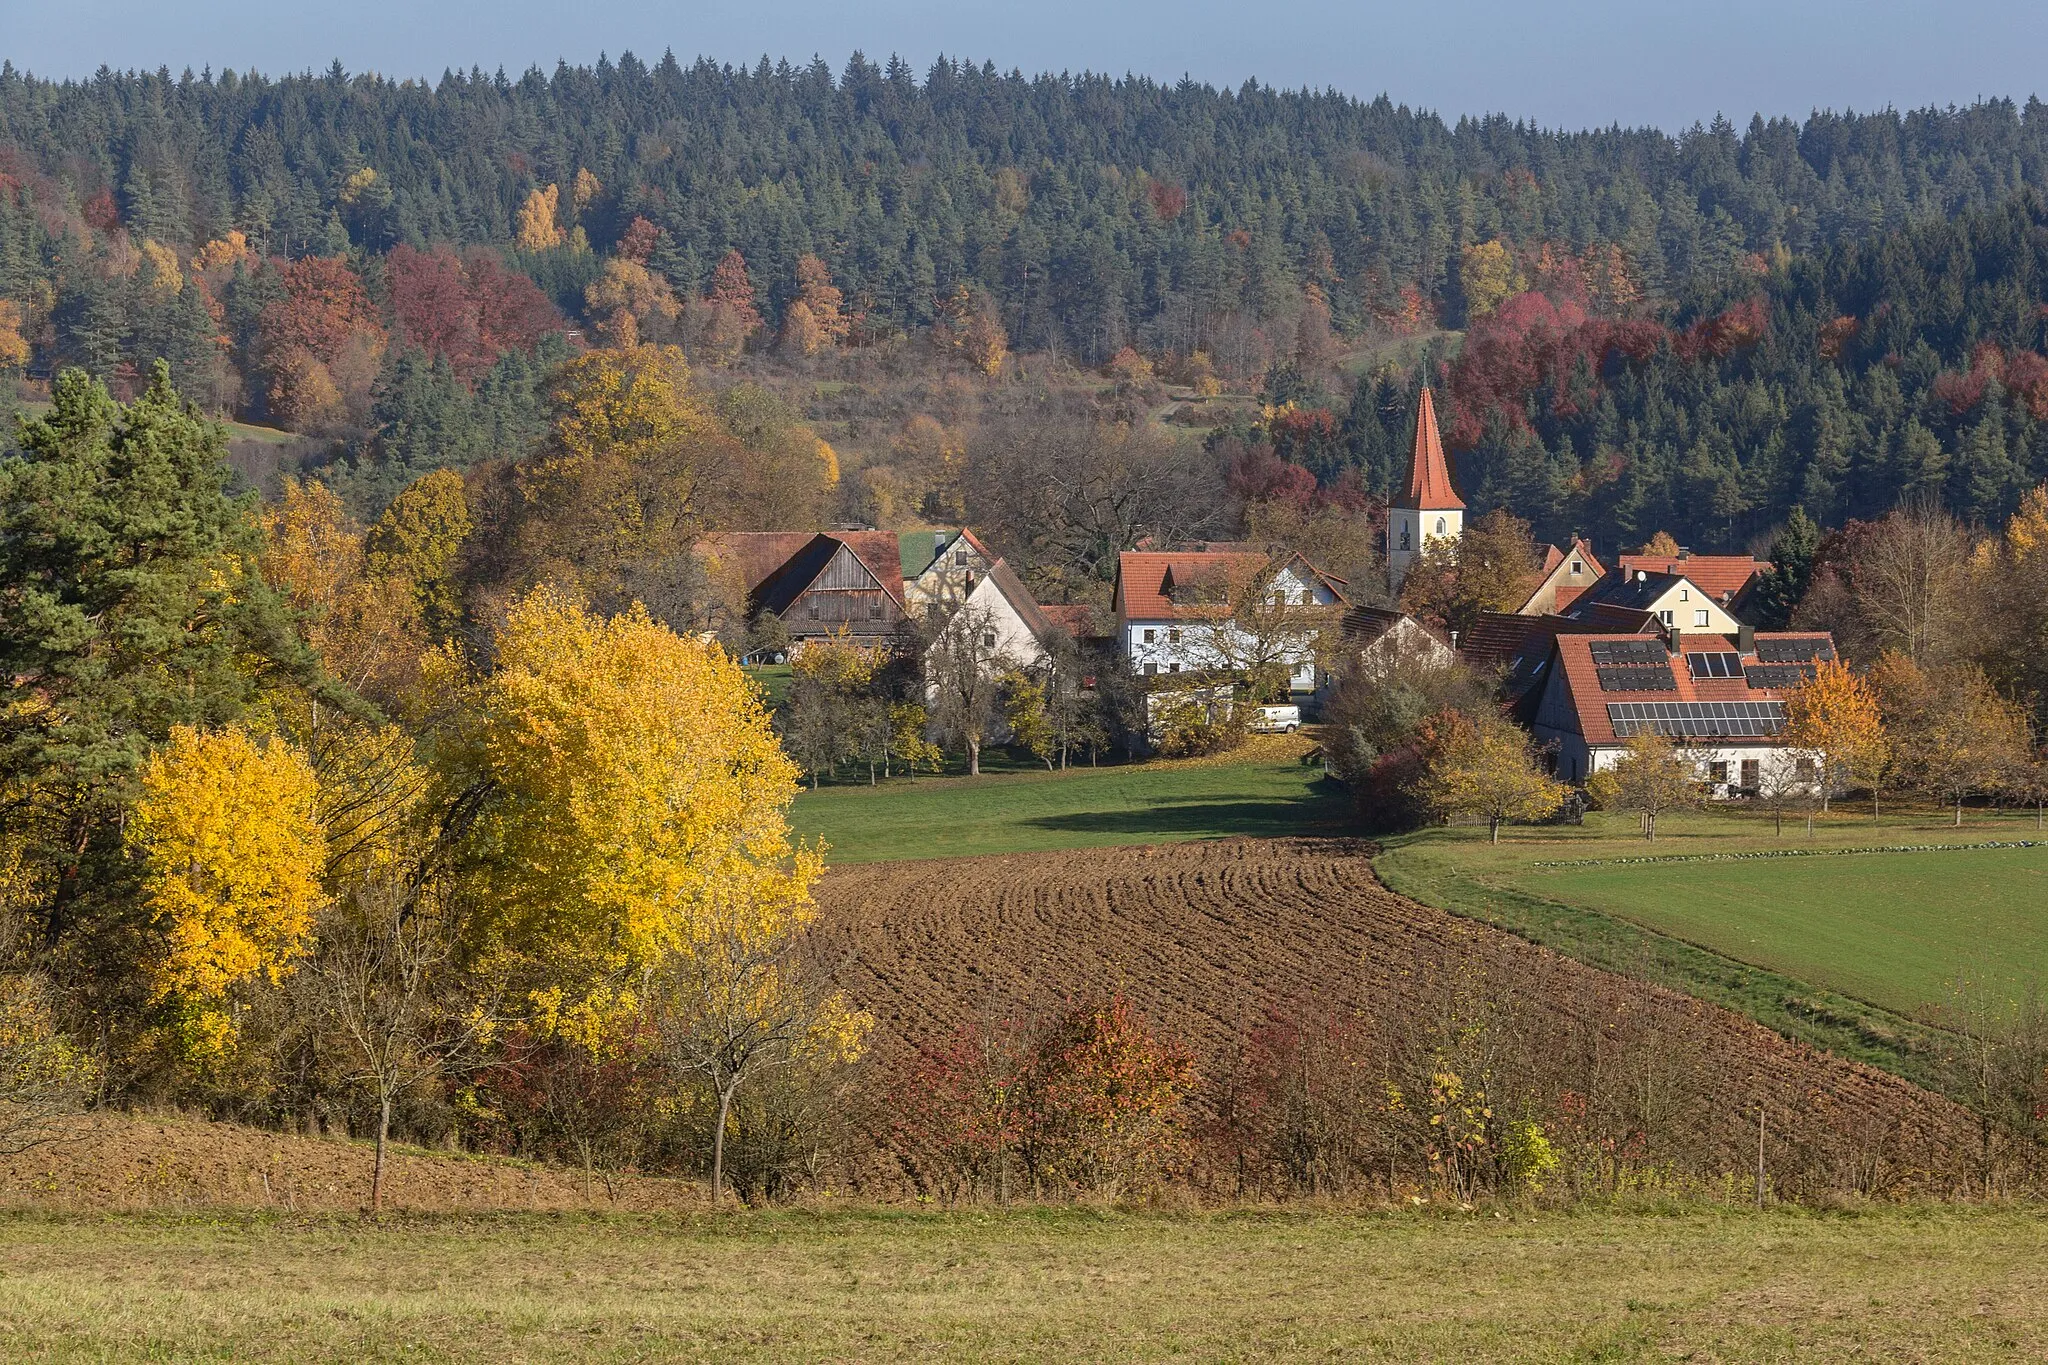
{"type": "Point", "coordinates": [1721, 697]}
{"type": "Point", "coordinates": [822, 584]}
{"type": "Point", "coordinates": [1378, 640]}
{"type": "Point", "coordinates": [1189, 611]}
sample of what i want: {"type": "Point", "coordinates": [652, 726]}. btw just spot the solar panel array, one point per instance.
{"type": "Point", "coordinates": [1632, 679]}
{"type": "Point", "coordinates": [1697, 719]}
{"type": "Point", "coordinates": [1626, 653]}
{"type": "Point", "coordinates": [1718, 664]}
{"type": "Point", "coordinates": [1806, 650]}
{"type": "Point", "coordinates": [1778, 675]}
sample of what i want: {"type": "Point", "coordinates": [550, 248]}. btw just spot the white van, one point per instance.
{"type": "Point", "coordinates": [1275, 720]}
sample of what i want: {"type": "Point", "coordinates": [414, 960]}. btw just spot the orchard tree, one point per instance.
{"type": "Point", "coordinates": [1654, 776]}
{"type": "Point", "coordinates": [964, 669]}
{"type": "Point", "coordinates": [1835, 716]}
{"type": "Point", "coordinates": [1482, 766]}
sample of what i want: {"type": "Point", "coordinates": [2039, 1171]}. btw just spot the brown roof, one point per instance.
{"type": "Point", "coordinates": [1429, 477]}
{"type": "Point", "coordinates": [1721, 577]}
{"type": "Point", "coordinates": [757, 553]}
{"type": "Point", "coordinates": [876, 550]}
{"type": "Point", "coordinates": [1364, 625]}
{"type": "Point", "coordinates": [1079, 619]}
{"type": "Point", "coordinates": [1589, 700]}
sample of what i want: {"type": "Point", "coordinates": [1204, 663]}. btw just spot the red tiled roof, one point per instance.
{"type": "Point", "coordinates": [1149, 581]}
{"type": "Point", "coordinates": [1429, 477]}
{"type": "Point", "coordinates": [1079, 619]}
{"type": "Point", "coordinates": [1589, 701]}
{"type": "Point", "coordinates": [1722, 577]}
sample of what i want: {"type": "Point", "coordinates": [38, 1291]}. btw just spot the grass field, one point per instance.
{"type": "Point", "coordinates": [1270, 793]}
{"type": "Point", "coordinates": [1846, 951]}
{"type": "Point", "coordinates": [1920, 1284]}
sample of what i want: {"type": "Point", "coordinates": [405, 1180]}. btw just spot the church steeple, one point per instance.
{"type": "Point", "coordinates": [1428, 508]}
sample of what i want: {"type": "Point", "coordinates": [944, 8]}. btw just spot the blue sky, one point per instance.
{"type": "Point", "coordinates": [1566, 62]}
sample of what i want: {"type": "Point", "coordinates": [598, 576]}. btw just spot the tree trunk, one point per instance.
{"type": "Point", "coordinates": [1493, 831]}
{"type": "Point", "coordinates": [377, 1170]}
{"type": "Point", "coordinates": [1959, 812]}
{"type": "Point", "coordinates": [718, 1145]}
{"type": "Point", "coordinates": [1778, 816]}
{"type": "Point", "coordinates": [871, 772]}
{"type": "Point", "coordinates": [974, 758]}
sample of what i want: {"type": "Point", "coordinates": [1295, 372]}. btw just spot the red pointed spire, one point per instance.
{"type": "Point", "coordinates": [1429, 477]}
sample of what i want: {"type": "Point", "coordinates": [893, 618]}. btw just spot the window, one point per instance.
{"type": "Point", "coordinates": [1665, 617]}
{"type": "Point", "coordinates": [959, 557]}
{"type": "Point", "coordinates": [1404, 535]}
{"type": "Point", "coordinates": [1151, 636]}
{"type": "Point", "coordinates": [988, 639]}
{"type": "Point", "coordinates": [1699, 618]}
{"type": "Point", "coordinates": [1752, 773]}
{"type": "Point", "coordinates": [1173, 635]}
{"type": "Point", "coordinates": [875, 609]}
{"type": "Point", "coordinates": [1578, 567]}
{"type": "Point", "coordinates": [1804, 769]}
{"type": "Point", "coordinates": [1173, 668]}
{"type": "Point", "coordinates": [1717, 773]}
{"type": "Point", "coordinates": [1151, 669]}
{"type": "Point", "coordinates": [1685, 594]}
{"type": "Point", "coordinates": [814, 608]}
{"type": "Point", "coordinates": [1442, 526]}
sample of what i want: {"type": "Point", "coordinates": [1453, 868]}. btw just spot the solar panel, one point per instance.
{"type": "Point", "coordinates": [1777, 675]}
{"type": "Point", "coordinates": [1637, 679]}
{"type": "Point", "coordinates": [1609, 653]}
{"type": "Point", "coordinates": [1801, 650]}
{"type": "Point", "coordinates": [1715, 665]}
{"type": "Point", "coordinates": [1697, 719]}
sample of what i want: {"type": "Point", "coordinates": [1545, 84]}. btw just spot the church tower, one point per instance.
{"type": "Point", "coordinates": [1428, 508]}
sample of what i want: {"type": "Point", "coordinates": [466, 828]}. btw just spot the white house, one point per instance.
{"type": "Point", "coordinates": [1174, 611]}
{"type": "Point", "coordinates": [1720, 697]}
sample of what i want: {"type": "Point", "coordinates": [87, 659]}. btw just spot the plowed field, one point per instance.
{"type": "Point", "coordinates": [1209, 939]}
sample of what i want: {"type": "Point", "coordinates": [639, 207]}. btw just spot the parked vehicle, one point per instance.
{"type": "Point", "coordinates": [1276, 720]}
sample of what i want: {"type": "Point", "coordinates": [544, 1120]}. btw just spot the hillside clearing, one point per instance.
{"type": "Point", "coordinates": [1931, 1285]}
{"type": "Point", "coordinates": [1267, 791]}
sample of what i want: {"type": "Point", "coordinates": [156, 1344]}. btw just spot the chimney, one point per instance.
{"type": "Point", "coordinates": [1745, 638]}
{"type": "Point", "coordinates": [1684, 553]}
{"type": "Point", "coordinates": [1677, 642]}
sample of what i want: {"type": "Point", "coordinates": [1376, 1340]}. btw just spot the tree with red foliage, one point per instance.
{"type": "Point", "coordinates": [431, 307]}
{"type": "Point", "coordinates": [638, 241]}
{"type": "Point", "coordinates": [102, 214]}
{"type": "Point", "coordinates": [731, 317]}
{"type": "Point", "coordinates": [1258, 475]}
{"type": "Point", "coordinates": [324, 307]}
{"type": "Point", "coordinates": [511, 312]}
{"type": "Point", "coordinates": [962, 1108]}
{"type": "Point", "coordinates": [1168, 200]}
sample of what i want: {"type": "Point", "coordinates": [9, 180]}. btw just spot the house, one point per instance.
{"type": "Point", "coordinates": [1378, 638]}
{"type": "Point", "coordinates": [1015, 628]}
{"type": "Point", "coordinates": [1427, 508]}
{"type": "Point", "coordinates": [1729, 579]}
{"type": "Point", "coordinates": [1722, 697]}
{"type": "Point", "coordinates": [942, 566]}
{"type": "Point", "coordinates": [1174, 611]}
{"type": "Point", "coordinates": [823, 584]}
{"type": "Point", "coordinates": [1674, 599]}
{"type": "Point", "coordinates": [1565, 575]}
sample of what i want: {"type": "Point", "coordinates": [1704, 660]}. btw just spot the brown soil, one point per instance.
{"type": "Point", "coordinates": [122, 1161]}
{"type": "Point", "coordinates": [1210, 940]}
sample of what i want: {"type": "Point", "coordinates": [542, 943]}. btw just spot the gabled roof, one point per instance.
{"type": "Point", "coordinates": [1005, 581]}
{"type": "Point", "coordinates": [1521, 646]}
{"type": "Point", "coordinates": [1079, 620]}
{"type": "Point", "coordinates": [1556, 596]}
{"type": "Point", "coordinates": [1429, 476]}
{"type": "Point", "coordinates": [1364, 626]}
{"type": "Point", "coordinates": [1638, 590]}
{"type": "Point", "coordinates": [1722, 577]}
{"type": "Point", "coordinates": [1590, 698]}
{"type": "Point", "coordinates": [877, 552]}
{"type": "Point", "coordinates": [1193, 584]}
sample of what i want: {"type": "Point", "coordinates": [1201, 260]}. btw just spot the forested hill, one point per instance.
{"type": "Point", "coordinates": [1097, 212]}
{"type": "Point", "coordinates": [1907, 367]}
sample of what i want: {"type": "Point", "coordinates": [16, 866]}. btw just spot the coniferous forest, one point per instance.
{"type": "Point", "coordinates": [1630, 331]}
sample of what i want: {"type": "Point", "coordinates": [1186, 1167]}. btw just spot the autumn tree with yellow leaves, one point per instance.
{"type": "Point", "coordinates": [1481, 766]}
{"type": "Point", "coordinates": [228, 835]}
{"type": "Point", "coordinates": [1834, 716]}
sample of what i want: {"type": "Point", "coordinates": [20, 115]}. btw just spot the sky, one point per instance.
{"type": "Point", "coordinates": [1564, 63]}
